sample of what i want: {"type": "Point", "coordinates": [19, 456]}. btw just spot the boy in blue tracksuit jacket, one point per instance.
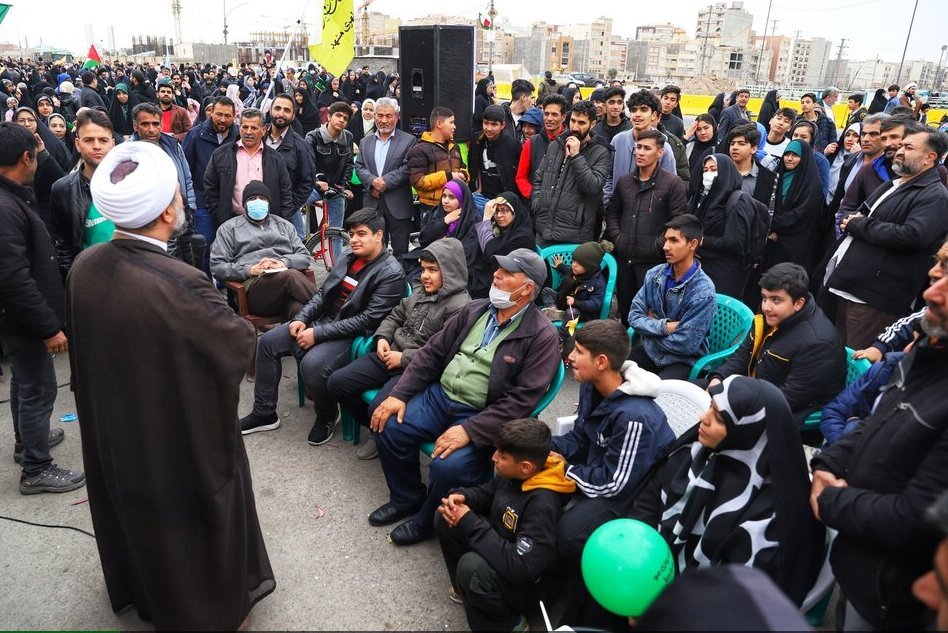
{"type": "Point", "coordinates": [618, 435]}
{"type": "Point", "coordinates": [856, 401]}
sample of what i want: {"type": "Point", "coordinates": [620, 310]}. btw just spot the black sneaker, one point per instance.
{"type": "Point", "coordinates": [56, 436]}
{"type": "Point", "coordinates": [52, 479]}
{"type": "Point", "coordinates": [254, 423]}
{"type": "Point", "coordinates": [322, 431]}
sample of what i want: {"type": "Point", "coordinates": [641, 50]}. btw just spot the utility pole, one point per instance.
{"type": "Point", "coordinates": [763, 43]}
{"type": "Point", "coordinates": [839, 57]}
{"type": "Point", "coordinates": [938, 73]}
{"type": "Point", "coordinates": [898, 77]}
{"type": "Point", "coordinates": [492, 14]}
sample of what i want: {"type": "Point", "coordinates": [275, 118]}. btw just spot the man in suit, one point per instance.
{"type": "Point", "coordinates": [383, 170]}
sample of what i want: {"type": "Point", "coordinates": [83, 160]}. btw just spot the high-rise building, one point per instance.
{"type": "Point", "coordinates": [724, 25]}
{"type": "Point", "coordinates": [596, 53]}
{"type": "Point", "coordinates": [808, 62]}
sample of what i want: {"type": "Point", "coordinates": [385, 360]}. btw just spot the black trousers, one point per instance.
{"type": "Point", "coordinates": [490, 602]}
{"type": "Point", "coordinates": [629, 279]}
{"type": "Point", "coordinates": [398, 232]}
{"type": "Point", "coordinates": [346, 385]}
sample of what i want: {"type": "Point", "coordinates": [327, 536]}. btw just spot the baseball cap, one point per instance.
{"type": "Point", "coordinates": [526, 261]}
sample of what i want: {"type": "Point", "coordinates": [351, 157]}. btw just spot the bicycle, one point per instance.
{"type": "Point", "coordinates": [318, 242]}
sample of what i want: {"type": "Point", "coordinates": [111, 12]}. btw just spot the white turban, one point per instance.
{"type": "Point", "coordinates": [134, 183]}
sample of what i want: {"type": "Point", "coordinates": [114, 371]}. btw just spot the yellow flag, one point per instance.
{"type": "Point", "coordinates": [338, 46]}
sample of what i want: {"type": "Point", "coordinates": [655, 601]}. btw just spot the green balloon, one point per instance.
{"type": "Point", "coordinates": [626, 564]}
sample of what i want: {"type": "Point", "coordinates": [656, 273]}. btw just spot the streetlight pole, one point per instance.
{"type": "Point", "coordinates": [939, 76]}
{"type": "Point", "coordinates": [763, 43]}
{"type": "Point", "coordinates": [907, 36]}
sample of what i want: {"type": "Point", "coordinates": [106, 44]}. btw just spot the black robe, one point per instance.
{"type": "Point", "coordinates": [798, 216]}
{"type": "Point", "coordinates": [518, 235]}
{"type": "Point", "coordinates": [157, 359]}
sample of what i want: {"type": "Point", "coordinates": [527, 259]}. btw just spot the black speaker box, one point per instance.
{"type": "Point", "coordinates": [436, 67]}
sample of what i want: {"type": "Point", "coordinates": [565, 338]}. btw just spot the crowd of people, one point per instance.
{"type": "Point", "coordinates": [131, 196]}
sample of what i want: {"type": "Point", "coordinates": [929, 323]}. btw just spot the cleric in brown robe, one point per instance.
{"type": "Point", "coordinates": [157, 358]}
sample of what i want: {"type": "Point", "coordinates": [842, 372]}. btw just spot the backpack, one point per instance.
{"type": "Point", "coordinates": [758, 227]}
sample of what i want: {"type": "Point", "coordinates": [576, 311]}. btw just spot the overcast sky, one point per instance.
{"type": "Point", "coordinates": [871, 27]}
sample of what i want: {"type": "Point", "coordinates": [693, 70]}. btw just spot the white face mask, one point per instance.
{"type": "Point", "coordinates": [707, 179]}
{"type": "Point", "coordinates": [500, 299]}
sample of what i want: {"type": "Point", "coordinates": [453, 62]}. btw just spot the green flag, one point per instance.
{"type": "Point", "coordinates": [3, 10]}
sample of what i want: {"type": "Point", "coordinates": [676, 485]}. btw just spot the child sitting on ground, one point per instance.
{"type": "Point", "coordinates": [583, 287]}
{"type": "Point", "coordinates": [500, 537]}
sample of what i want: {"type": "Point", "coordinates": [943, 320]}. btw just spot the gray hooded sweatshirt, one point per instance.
{"type": "Point", "coordinates": [418, 317]}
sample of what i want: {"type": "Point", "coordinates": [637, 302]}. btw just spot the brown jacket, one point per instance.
{"type": "Point", "coordinates": [180, 123]}
{"type": "Point", "coordinates": [430, 165]}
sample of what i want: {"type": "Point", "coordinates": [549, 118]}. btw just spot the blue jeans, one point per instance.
{"type": "Point", "coordinates": [32, 396]}
{"type": "Point", "coordinates": [427, 415]}
{"type": "Point", "coordinates": [479, 200]}
{"type": "Point", "coordinates": [297, 221]}
{"type": "Point", "coordinates": [316, 364]}
{"type": "Point", "coordinates": [337, 214]}
{"type": "Point", "coordinates": [206, 224]}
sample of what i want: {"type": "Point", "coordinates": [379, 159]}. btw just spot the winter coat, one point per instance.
{"type": "Point", "coordinates": [617, 439]}
{"type": "Point", "coordinates": [567, 193]}
{"type": "Point", "coordinates": [637, 213]}
{"type": "Point", "coordinates": [418, 317]}
{"type": "Point", "coordinates": [334, 161]}
{"type": "Point", "coordinates": [895, 337]}
{"type": "Point", "coordinates": [624, 160]}
{"type": "Point", "coordinates": [69, 202]}
{"type": "Point", "coordinates": [896, 465]}
{"type": "Point", "coordinates": [199, 145]}
{"type": "Point", "coordinates": [588, 292]}
{"type": "Point", "coordinates": [430, 165]}
{"type": "Point", "coordinates": [504, 153]}
{"type": "Point", "coordinates": [242, 243]}
{"type": "Point", "coordinates": [888, 260]}
{"type": "Point", "coordinates": [691, 303]}
{"type": "Point", "coordinates": [380, 288]}
{"type": "Point", "coordinates": [220, 178]}
{"type": "Point", "coordinates": [521, 550]}
{"type": "Point", "coordinates": [522, 370]}
{"type": "Point", "coordinates": [803, 357]}
{"type": "Point", "coordinates": [31, 291]}
{"type": "Point", "coordinates": [856, 401]}
{"type": "Point", "coordinates": [300, 164]}
{"type": "Point", "coordinates": [731, 117]}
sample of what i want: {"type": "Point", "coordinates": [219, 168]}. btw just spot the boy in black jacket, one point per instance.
{"type": "Point", "coordinates": [500, 537]}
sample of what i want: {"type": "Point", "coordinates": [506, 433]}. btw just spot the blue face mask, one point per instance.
{"type": "Point", "coordinates": [258, 209]}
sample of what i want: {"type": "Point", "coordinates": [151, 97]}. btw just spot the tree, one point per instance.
{"type": "Point", "coordinates": [612, 72]}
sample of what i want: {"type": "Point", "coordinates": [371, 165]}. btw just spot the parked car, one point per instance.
{"type": "Point", "coordinates": [565, 80]}
{"type": "Point", "coordinates": [588, 79]}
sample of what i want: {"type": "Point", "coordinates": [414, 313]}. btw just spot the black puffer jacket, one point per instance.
{"type": "Point", "coordinates": [567, 198]}
{"type": "Point", "coordinates": [895, 464]}
{"type": "Point", "coordinates": [69, 202]}
{"type": "Point", "coordinates": [803, 357]}
{"type": "Point", "coordinates": [637, 213]}
{"type": "Point", "coordinates": [381, 284]}
{"type": "Point", "coordinates": [31, 292]}
{"type": "Point", "coordinates": [221, 176]}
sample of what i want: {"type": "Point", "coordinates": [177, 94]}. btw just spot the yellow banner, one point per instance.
{"type": "Point", "coordinates": [338, 46]}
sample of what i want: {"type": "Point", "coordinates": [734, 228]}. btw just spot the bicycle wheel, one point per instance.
{"type": "Point", "coordinates": [328, 234]}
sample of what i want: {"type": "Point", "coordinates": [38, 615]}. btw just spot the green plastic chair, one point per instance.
{"type": "Point", "coordinates": [609, 266]}
{"type": "Point", "coordinates": [854, 369]}
{"type": "Point", "coordinates": [732, 322]}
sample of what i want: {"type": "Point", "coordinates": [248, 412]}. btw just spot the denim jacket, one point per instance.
{"type": "Point", "coordinates": [692, 304]}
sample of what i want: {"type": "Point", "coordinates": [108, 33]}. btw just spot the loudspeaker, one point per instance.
{"type": "Point", "coordinates": [436, 67]}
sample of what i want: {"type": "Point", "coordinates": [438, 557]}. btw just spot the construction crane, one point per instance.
{"type": "Point", "coordinates": [364, 7]}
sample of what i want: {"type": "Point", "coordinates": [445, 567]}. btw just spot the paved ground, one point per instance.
{"type": "Point", "coordinates": [333, 571]}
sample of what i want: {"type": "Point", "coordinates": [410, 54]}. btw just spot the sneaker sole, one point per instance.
{"type": "Point", "coordinates": [265, 427]}
{"type": "Point", "coordinates": [320, 443]}
{"type": "Point", "coordinates": [54, 489]}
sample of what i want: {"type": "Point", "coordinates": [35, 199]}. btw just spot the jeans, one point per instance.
{"type": "Point", "coordinates": [297, 221]}
{"type": "Point", "coordinates": [316, 364]}
{"type": "Point", "coordinates": [427, 415]}
{"type": "Point", "coordinates": [206, 224]}
{"type": "Point", "coordinates": [33, 390]}
{"type": "Point", "coordinates": [479, 201]}
{"type": "Point", "coordinates": [337, 214]}
{"type": "Point", "coordinates": [580, 519]}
